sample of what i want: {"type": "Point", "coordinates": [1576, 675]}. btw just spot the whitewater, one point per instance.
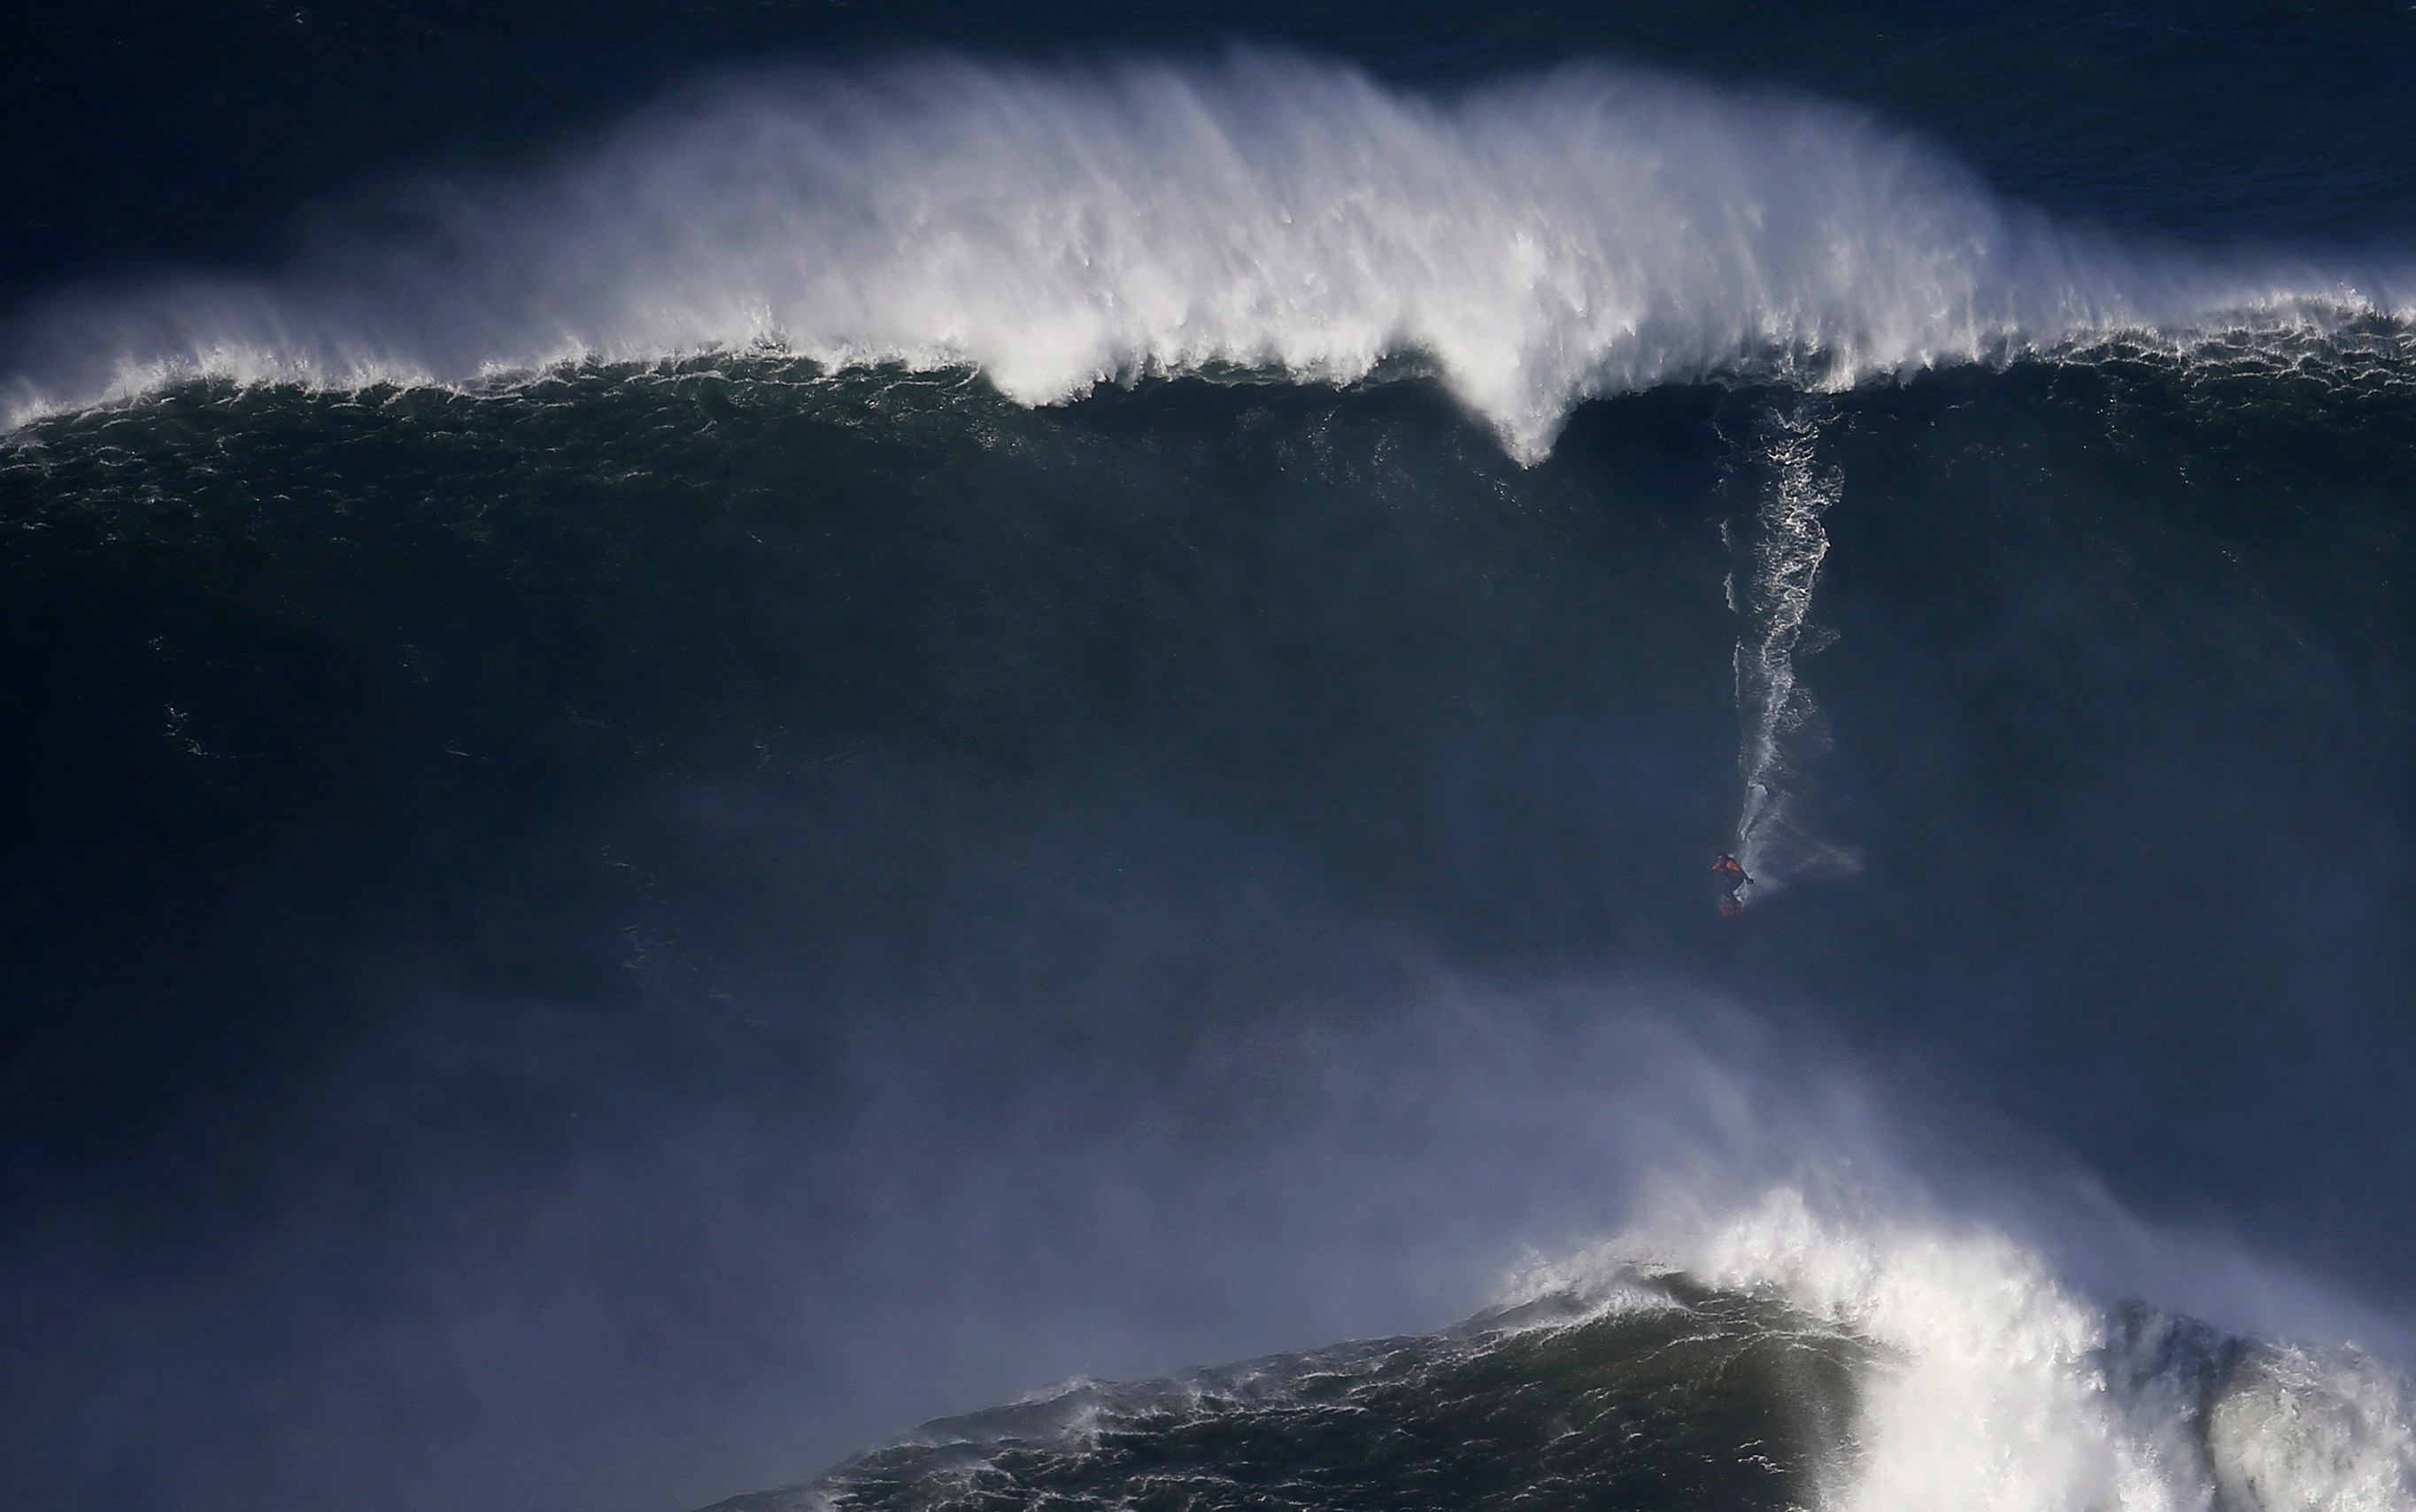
{"type": "Point", "coordinates": [1532, 243]}
{"type": "Point", "coordinates": [1998, 1385]}
{"type": "Point", "coordinates": [1872, 1361]}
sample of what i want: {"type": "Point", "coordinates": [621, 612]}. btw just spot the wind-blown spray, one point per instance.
{"type": "Point", "coordinates": [1533, 243]}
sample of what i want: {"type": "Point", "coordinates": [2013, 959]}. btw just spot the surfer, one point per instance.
{"type": "Point", "coordinates": [1731, 875]}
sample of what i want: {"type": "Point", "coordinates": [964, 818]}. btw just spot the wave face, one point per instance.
{"type": "Point", "coordinates": [1681, 1397]}
{"type": "Point", "coordinates": [1790, 1362]}
{"type": "Point", "coordinates": [1594, 230]}
{"type": "Point", "coordinates": [600, 931]}
{"type": "Point", "coordinates": [974, 867]}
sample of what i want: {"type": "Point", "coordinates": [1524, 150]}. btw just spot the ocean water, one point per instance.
{"type": "Point", "coordinates": [730, 728]}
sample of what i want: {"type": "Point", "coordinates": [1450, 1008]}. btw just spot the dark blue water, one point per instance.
{"type": "Point", "coordinates": [731, 726]}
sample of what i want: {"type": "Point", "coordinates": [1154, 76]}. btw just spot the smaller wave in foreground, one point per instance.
{"type": "Point", "coordinates": [1539, 241]}
{"type": "Point", "coordinates": [1782, 1362]}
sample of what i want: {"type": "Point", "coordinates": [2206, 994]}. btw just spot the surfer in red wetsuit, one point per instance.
{"type": "Point", "coordinates": [1730, 872]}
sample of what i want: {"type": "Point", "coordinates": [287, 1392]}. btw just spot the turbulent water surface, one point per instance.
{"type": "Point", "coordinates": [1648, 1389]}
{"type": "Point", "coordinates": [728, 731]}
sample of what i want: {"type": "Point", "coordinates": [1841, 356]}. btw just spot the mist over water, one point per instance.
{"type": "Point", "coordinates": [908, 729]}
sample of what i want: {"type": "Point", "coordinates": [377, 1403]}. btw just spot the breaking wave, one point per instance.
{"type": "Point", "coordinates": [1994, 1386]}
{"type": "Point", "coordinates": [1777, 1358]}
{"type": "Point", "coordinates": [1532, 243]}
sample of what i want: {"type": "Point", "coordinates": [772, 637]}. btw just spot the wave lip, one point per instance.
{"type": "Point", "coordinates": [1538, 241]}
{"type": "Point", "coordinates": [1992, 1385]}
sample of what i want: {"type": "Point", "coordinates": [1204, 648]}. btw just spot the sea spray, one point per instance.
{"type": "Point", "coordinates": [1780, 550]}
{"type": "Point", "coordinates": [1593, 230]}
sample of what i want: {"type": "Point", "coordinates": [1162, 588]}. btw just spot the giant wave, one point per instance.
{"type": "Point", "coordinates": [1532, 243]}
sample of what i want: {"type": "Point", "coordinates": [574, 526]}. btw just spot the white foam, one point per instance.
{"type": "Point", "coordinates": [1778, 715]}
{"type": "Point", "coordinates": [2000, 1389]}
{"type": "Point", "coordinates": [2306, 1431]}
{"type": "Point", "coordinates": [1539, 241]}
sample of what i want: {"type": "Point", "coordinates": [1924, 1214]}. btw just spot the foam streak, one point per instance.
{"type": "Point", "coordinates": [1777, 713]}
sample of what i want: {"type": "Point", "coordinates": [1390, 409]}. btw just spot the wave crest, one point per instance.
{"type": "Point", "coordinates": [1996, 1385]}
{"type": "Point", "coordinates": [1539, 241]}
